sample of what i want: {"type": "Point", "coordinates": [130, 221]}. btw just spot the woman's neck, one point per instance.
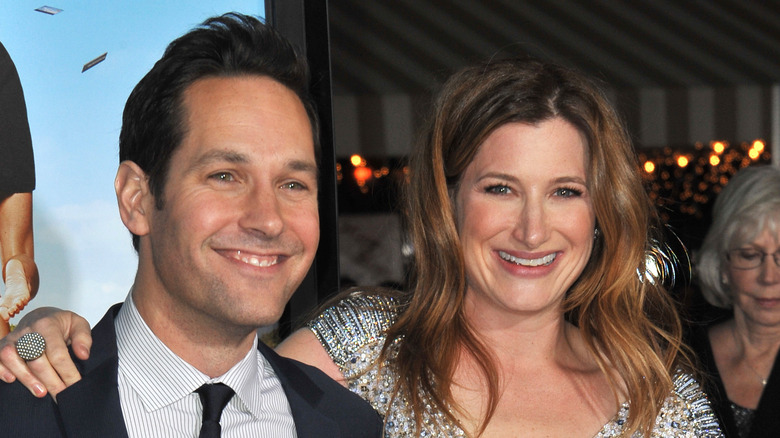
{"type": "Point", "coordinates": [752, 339]}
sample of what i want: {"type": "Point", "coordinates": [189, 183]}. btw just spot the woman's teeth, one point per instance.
{"type": "Point", "coordinates": [546, 260]}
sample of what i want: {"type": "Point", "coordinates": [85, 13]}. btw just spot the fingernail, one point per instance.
{"type": "Point", "coordinates": [8, 378]}
{"type": "Point", "coordinates": [39, 390]}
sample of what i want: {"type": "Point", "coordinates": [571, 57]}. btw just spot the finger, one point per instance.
{"type": "Point", "coordinates": [5, 328]}
{"type": "Point", "coordinates": [46, 374]}
{"type": "Point", "coordinates": [80, 337]}
{"type": "Point", "coordinates": [57, 372]}
{"type": "Point", "coordinates": [6, 375]}
{"type": "Point", "coordinates": [14, 364]}
{"type": "Point", "coordinates": [58, 356]}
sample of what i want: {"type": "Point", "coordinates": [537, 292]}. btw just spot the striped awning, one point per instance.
{"type": "Point", "coordinates": [408, 46]}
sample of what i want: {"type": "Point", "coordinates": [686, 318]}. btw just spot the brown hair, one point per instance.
{"type": "Point", "coordinates": [627, 323]}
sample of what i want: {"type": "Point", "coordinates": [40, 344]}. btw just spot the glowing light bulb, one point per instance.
{"type": "Point", "coordinates": [362, 174]}
{"type": "Point", "coordinates": [357, 160]}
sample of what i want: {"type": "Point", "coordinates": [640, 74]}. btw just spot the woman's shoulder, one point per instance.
{"type": "Point", "coordinates": [353, 321]}
{"type": "Point", "coordinates": [688, 410]}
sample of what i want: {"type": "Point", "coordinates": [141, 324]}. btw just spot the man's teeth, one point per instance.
{"type": "Point", "coordinates": [546, 260]}
{"type": "Point", "coordinates": [262, 262]}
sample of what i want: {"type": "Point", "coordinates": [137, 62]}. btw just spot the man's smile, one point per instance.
{"type": "Point", "coordinates": [261, 261]}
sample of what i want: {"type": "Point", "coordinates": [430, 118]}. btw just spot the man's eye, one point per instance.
{"type": "Point", "coordinates": [222, 176]}
{"type": "Point", "coordinates": [294, 185]}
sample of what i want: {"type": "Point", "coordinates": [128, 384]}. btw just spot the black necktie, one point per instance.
{"type": "Point", "coordinates": [214, 398]}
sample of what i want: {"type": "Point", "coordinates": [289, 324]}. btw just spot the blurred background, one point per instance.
{"type": "Point", "coordinates": [695, 81]}
{"type": "Point", "coordinates": [84, 253]}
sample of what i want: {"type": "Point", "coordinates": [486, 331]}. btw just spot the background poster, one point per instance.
{"type": "Point", "coordinates": [84, 253]}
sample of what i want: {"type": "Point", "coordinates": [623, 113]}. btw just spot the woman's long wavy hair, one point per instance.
{"type": "Point", "coordinates": [629, 323]}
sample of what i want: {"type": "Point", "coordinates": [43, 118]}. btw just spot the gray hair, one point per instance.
{"type": "Point", "coordinates": [748, 205]}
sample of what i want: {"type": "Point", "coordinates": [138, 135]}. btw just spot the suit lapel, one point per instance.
{"type": "Point", "coordinates": [304, 396]}
{"type": "Point", "coordinates": [91, 407]}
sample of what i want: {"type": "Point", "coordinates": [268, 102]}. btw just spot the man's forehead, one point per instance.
{"type": "Point", "coordinates": [240, 102]}
{"type": "Point", "coordinates": [237, 85]}
{"type": "Point", "coordinates": [236, 99]}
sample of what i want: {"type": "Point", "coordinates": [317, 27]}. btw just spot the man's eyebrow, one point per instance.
{"type": "Point", "coordinates": [219, 156]}
{"type": "Point", "coordinates": [304, 166]}
{"type": "Point", "coordinates": [240, 158]}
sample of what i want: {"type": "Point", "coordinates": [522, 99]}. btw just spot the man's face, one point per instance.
{"type": "Point", "coordinates": [239, 227]}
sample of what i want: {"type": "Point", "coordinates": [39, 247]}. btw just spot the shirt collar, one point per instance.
{"type": "Point", "coordinates": [160, 377]}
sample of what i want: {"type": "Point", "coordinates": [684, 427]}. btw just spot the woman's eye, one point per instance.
{"type": "Point", "coordinates": [567, 192]}
{"type": "Point", "coordinates": [749, 254]}
{"type": "Point", "coordinates": [498, 189]}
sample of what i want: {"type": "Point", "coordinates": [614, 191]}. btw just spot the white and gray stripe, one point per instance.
{"type": "Point", "coordinates": [156, 389]}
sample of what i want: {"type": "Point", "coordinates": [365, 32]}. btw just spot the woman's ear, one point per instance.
{"type": "Point", "coordinates": [134, 197]}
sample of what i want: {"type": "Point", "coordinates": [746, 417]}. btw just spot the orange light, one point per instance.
{"type": "Point", "coordinates": [714, 160]}
{"type": "Point", "coordinates": [357, 160]}
{"type": "Point", "coordinates": [649, 166]}
{"type": "Point", "coordinates": [362, 174]}
{"type": "Point", "coordinates": [718, 147]}
{"type": "Point", "coordinates": [682, 161]}
{"type": "Point", "coordinates": [758, 145]}
{"type": "Point", "coordinates": [753, 154]}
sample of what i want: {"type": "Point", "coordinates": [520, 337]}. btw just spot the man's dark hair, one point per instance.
{"type": "Point", "coordinates": [153, 123]}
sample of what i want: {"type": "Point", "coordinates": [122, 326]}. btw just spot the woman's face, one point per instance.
{"type": "Point", "coordinates": [525, 218]}
{"type": "Point", "coordinates": [756, 291]}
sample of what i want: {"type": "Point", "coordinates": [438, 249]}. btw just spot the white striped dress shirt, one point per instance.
{"type": "Point", "coordinates": [156, 389]}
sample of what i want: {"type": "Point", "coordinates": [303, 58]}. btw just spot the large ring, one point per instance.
{"type": "Point", "coordinates": [30, 346]}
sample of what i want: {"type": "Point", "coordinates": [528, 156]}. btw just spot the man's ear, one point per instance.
{"type": "Point", "coordinates": [134, 197]}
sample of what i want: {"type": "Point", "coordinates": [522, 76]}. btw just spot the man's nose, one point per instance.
{"type": "Point", "coordinates": [261, 212]}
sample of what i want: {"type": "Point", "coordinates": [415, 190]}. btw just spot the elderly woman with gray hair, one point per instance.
{"type": "Point", "coordinates": [738, 268]}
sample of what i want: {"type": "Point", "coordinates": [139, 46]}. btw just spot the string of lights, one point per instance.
{"type": "Point", "coordinates": [682, 181]}
{"type": "Point", "coordinates": [686, 180]}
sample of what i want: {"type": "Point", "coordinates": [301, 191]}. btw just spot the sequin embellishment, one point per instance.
{"type": "Point", "coordinates": [353, 333]}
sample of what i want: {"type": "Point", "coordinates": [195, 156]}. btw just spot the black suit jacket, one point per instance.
{"type": "Point", "coordinates": [90, 408]}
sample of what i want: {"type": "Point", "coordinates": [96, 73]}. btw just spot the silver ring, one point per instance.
{"type": "Point", "coordinates": [30, 346]}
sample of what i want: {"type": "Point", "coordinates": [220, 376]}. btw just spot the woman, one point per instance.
{"type": "Point", "coordinates": [531, 312]}
{"type": "Point", "coordinates": [17, 181]}
{"type": "Point", "coordinates": [739, 269]}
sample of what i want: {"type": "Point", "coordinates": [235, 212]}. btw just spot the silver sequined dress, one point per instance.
{"type": "Point", "coordinates": [353, 333]}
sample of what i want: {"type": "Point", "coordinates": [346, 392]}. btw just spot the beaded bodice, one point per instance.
{"type": "Point", "coordinates": [353, 334]}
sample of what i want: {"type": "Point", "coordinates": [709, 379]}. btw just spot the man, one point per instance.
{"type": "Point", "coordinates": [217, 182]}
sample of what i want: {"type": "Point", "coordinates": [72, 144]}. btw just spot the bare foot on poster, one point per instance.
{"type": "Point", "coordinates": [17, 293]}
